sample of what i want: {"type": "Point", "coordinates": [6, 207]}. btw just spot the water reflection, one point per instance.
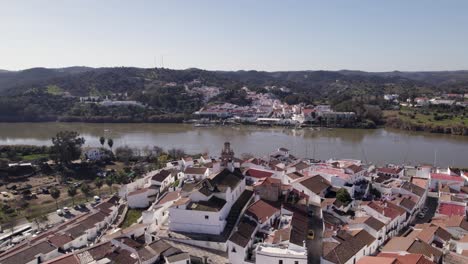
{"type": "Point", "coordinates": [378, 146]}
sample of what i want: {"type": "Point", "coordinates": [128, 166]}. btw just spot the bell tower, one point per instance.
{"type": "Point", "coordinates": [227, 154]}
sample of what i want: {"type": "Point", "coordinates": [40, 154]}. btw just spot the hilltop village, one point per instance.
{"type": "Point", "coordinates": [276, 208]}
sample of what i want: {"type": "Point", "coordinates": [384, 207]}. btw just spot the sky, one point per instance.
{"type": "Point", "coordinates": [265, 35]}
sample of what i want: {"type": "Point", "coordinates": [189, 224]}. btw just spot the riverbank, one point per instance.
{"type": "Point", "coordinates": [415, 121]}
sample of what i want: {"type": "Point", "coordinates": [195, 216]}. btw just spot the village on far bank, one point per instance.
{"type": "Point", "coordinates": [276, 208]}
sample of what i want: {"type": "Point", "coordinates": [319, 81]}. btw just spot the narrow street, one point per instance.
{"type": "Point", "coordinates": [314, 246]}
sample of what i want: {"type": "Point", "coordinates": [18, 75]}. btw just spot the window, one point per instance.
{"type": "Point", "coordinates": [233, 250]}
{"type": "Point", "coordinates": [296, 262]}
{"type": "Point", "coordinates": [280, 261]}
{"type": "Point", "coordinates": [206, 217]}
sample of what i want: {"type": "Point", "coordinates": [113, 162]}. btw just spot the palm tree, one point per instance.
{"type": "Point", "coordinates": [72, 192]}
{"type": "Point", "coordinates": [110, 143]}
{"type": "Point", "coordinates": [85, 190]}
{"type": "Point", "coordinates": [55, 193]}
{"type": "Point", "coordinates": [98, 183]}
{"type": "Point", "coordinates": [109, 182]}
{"type": "Point", "coordinates": [102, 140]}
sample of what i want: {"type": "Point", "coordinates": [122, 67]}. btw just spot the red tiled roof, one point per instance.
{"type": "Point", "coordinates": [261, 211]}
{"type": "Point", "coordinates": [406, 259]}
{"type": "Point", "coordinates": [60, 239]}
{"type": "Point", "coordinates": [170, 196]}
{"type": "Point", "coordinates": [389, 170]}
{"type": "Point", "coordinates": [451, 209]}
{"type": "Point", "coordinates": [446, 177]}
{"type": "Point", "coordinates": [259, 174]}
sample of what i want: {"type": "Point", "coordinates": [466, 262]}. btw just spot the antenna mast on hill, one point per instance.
{"type": "Point", "coordinates": [162, 61]}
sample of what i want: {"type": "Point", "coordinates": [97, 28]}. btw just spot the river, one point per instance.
{"type": "Point", "coordinates": [378, 146]}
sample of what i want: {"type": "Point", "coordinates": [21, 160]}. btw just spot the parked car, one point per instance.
{"type": "Point", "coordinates": [66, 210]}
{"type": "Point", "coordinates": [310, 234]}
{"type": "Point", "coordinates": [425, 209]}
{"type": "Point", "coordinates": [421, 215]}
{"type": "Point", "coordinates": [59, 212]}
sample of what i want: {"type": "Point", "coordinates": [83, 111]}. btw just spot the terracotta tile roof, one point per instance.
{"type": "Point", "coordinates": [374, 260]}
{"type": "Point", "coordinates": [454, 258]}
{"type": "Point", "coordinates": [28, 254]}
{"type": "Point", "coordinates": [446, 177]}
{"type": "Point", "coordinates": [301, 166]}
{"type": "Point", "coordinates": [59, 240]}
{"type": "Point", "coordinates": [316, 184]}
{"type": "Point", "coordinates": [261, 211]}
{"type": "Point", "coordinates": [99, 251]}
{"type": "Point", "coordinates": [295, 175]}
{"type": "Point", "coordinates": [259, 174]}
{"type": "Point", "coordinates": [427, 234]}
{"type": "Point", "coordinates": [407, 258]}
{"type": "Point", "coordinates": [269, 181]}
{"type": "Point", "coordinates": [244, 233]}
{"type": "Point", "coordinates": [386, 170]}
{"type": "Point", "coordinates": [65, 259]}
{"type": "Point", "coordinates": [327, 247]}
{"type": "Point", "coordinates": [421, 182]}
{"type": "Point", "coordinates": [407, 204]}
{"type": "Point", "coordinates": [161, 176]}
{"type": "Point", "coordinates": [349, 246]}
{"type": "Point", "coordinates": [382, 178]}
{"type": "Point", "coordinates": [451, 209]}
{"type": "Point", "coordinates": [413, 188]}
{"type": "Point", "coordinates": [355, 168]}
{"type": "Point", "coordinates": [299, 228]}
{"type": "Point", "coordinates": [168, 197]}
{"type": "Point", "coordinates": [373, 223]}
{"type": "Point", "coordinates": [396, 244]}
{"type": "Point", "coordinates": [195, 170]}
{"type": "Point", "coordinates": [419, 247]}
{"type": "Point", "coordinates": [390, 210]}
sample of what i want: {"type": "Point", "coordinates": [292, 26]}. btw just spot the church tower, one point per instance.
{"type": "Point", "coordinates": [227, 154]}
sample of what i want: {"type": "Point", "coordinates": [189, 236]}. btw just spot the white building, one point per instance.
{"type": "Point", "coordinates": [205, 208]}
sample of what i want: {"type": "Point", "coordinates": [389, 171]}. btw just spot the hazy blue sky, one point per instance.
{"type": "Point", "coordinates": [233, 35]}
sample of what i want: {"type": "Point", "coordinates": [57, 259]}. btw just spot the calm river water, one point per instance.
{"type": "Point", "coordinates": [378, 146]}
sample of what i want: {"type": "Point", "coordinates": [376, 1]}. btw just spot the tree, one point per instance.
{"type": "Point", "coordinates": [109, 182]}
{"type": "Point", "coordinates": [86, 190]}
{"type": "Point", "coordinates": [72, 192]}
{"type": "Point", "coordinates": [162, 160]}
{"type": "Point", "coordinates": [376, 193]}
{"type": "Point", "coordinates": [102, 140]}
{"type": "Point", "coordinates": [98, 182]}
{"type": "Point", "coordinates": [66, 146]}
{"type": "Point", "coordinates": [124, 154]}
{"type": "Point", "coordinates": [343, 196]}
{"type": "Point", "coordinates": [157, 151]}
{"type": "Point", "coordinates": [55, 193]}
{"type": "Point", "coordinates": [176, 153]}
{"type": "Point", "coordinates": [37, 215]}
{"type": "Point", "coordinates": [121, 177]}
{"type": "Point", "coordinates": [110, 143]}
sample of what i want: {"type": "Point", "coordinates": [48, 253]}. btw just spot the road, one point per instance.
{"type": "Point", "coordinates": [314, 246]}
{"type": "Point", "coordinates": [431, 204]}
